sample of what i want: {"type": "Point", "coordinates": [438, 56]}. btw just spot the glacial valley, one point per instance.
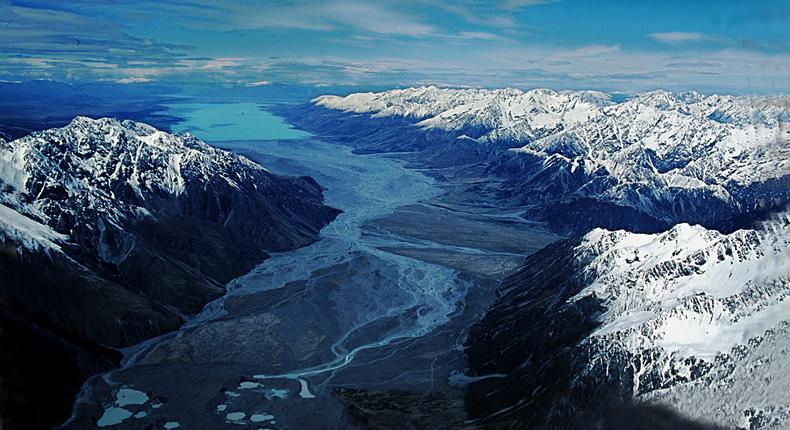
{"type": "Point", "coordinates": [486, 258]}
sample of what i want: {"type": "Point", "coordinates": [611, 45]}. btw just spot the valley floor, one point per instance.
{"type": "Point", "coordinates": [361, 329]}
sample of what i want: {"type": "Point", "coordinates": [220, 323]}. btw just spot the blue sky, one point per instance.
{"type": "Point", "coordinates": [723, 46]}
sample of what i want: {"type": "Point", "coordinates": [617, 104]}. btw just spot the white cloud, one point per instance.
{"type": "Point", "coordinates": [518, 4]}
{"type": "Point", "coordinates": [43, 45]}
{"type": "Point", "coordinates": [477, 35]}
{"type": "Point", "coordinates": [679, 37]}
{"type": "Point", "coordinates": [134, 80]}
{"type": "Point", "coordinates": [352, 15]}
{"type": "Point", "coordinates": [587, 51]}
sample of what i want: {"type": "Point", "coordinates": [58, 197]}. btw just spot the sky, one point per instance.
{"type": "Point", "coordinates": [629, 46]}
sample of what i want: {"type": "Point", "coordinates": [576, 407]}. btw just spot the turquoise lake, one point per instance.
{"type": "Point", "coordinates": [231, 121]}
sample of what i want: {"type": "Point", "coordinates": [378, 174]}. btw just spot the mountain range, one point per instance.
{"type": "Point", "coordinates": [578, 159]}
{"type": "Point", "coordinates": [668, 302]}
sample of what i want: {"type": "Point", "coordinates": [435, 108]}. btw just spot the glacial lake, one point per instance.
{"type": "Point", "coordinates": [231, 121]}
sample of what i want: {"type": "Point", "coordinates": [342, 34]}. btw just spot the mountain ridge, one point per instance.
{"type": "Point", "coordinates": [663, 157]}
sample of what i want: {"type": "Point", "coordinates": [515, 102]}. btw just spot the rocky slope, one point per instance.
{"type": "Point", "coordinates": [691, 320]}
{"type": "Point", "coordinates": [579, 160]}
{"type": "Point", "coordinates": [113, 232]}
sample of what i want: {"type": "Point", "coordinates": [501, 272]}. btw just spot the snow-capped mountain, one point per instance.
{"type": "Point", "coordinates": [658, 157]}
{"type": "Point", "coordinates": [112, 232]}
{"type": "Point", "coordinates": [525, 116]}
{"type": "Point", "coordinates": [689, 318]}
{"type": "Point", "coordinates": [94, 176]}
{"type": "Point", "coordinates": [495, 114]}
{"type": "Point", "coordinates": [133, 204]}
{"type": "Point", "coordinates": [123, 170]}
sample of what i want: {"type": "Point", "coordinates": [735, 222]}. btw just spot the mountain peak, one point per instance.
{"type": "Point", "coordinates": [107, 163]}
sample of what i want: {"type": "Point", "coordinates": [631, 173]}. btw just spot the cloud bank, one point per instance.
{"type": "Point", "coordinates": [386, 43]}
